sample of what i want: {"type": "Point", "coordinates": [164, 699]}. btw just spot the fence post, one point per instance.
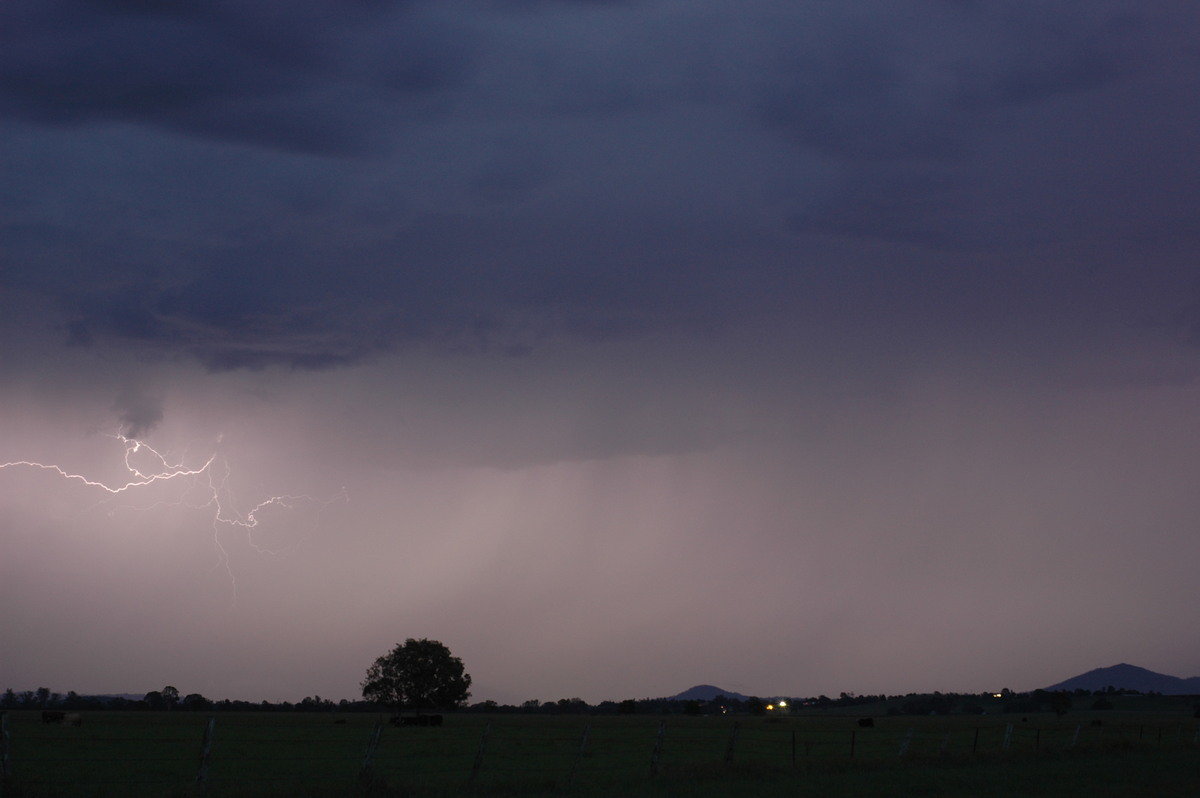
{"type": "Point", "coordinates": [579, 754]}
{"type": "Point", "coordinates": [793, 748]}
{"type": "Point", "coordinates": [1075, 737]}
{"type": "Point", "coordinates": [905, 743]}
{"type": "Point", "coordinates": [487, 727]}
{"type": "Point", "coordinates": [5, 767]}
{"type": "Point", "coordinates": [853, 732]}
{"type": "Point", "coordinates": [205, 750]}
{"type": "Point", "coordinates": [1007, 735]}
{"type": "Point", "coordinates": [658, 744]}
{"type": "Point", "coordinates": [730, 745]}
{"type": "Point", "coordinates": [369, 754]}
{"type": "Point", "coordinates": [975, 744]}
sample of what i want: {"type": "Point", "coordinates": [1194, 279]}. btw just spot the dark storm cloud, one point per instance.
{"type": "Point", "coordinates": [919, 82]}
{"type": "Point", "coordinates": [593, 170]}
{"type": "Point", "coordinates": [273, 75]}
{"type": "Point", "coordinates": [237, 312]}
{"type": "Point", "coordinates": [947, 125]}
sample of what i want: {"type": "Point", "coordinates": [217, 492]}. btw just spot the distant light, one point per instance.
{"type": "Point", "coordinates": [782, 704]}
{"type": "Point", "coordinates": [997, 695]}
{"type": "Point", "coordinates": [770, 707]}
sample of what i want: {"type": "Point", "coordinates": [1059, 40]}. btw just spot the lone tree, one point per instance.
{"type": "Point", "coordinates": [421, 674]}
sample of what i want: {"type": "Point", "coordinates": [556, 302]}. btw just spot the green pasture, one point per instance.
{"type": "Point", "coordinates": [323, 754]}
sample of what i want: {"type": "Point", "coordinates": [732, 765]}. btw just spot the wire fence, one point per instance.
{"type": "Point", "coordinates": [246, 754]}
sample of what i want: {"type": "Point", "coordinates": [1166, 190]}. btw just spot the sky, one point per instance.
{"type": "Point", "coordinates": [620, 345]}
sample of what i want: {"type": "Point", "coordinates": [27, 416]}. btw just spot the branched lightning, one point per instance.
{"type": "Point", "coordinates": [207, 487]}
{"type": "Point", "coordinates": [140, 478]}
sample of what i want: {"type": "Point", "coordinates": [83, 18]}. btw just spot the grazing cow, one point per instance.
{"type": "Point", "coordinates": [51, 716]}
{"type": "Point", "coordinates": [74, 718]}
{"type": "Point", "coordinates": [417, 720]}
{"type": "Point", "coordinates": [866, 723]}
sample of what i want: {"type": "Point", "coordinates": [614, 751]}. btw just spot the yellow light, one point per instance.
{"type": "Point", "coordinates": [770, 707]}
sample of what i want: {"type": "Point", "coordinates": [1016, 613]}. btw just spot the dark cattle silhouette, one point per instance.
{"type": "Point", "coordinates": [74, 718]}
{"type": "Point", "coordinates": [50, 716]}
{"type": "Point", "coordinates": [866, 723]}
{"type": "Point", "coordinates": [417, 720]}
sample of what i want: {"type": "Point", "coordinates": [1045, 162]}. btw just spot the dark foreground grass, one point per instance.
{"type": "Point", "coordinates": [259, 755]}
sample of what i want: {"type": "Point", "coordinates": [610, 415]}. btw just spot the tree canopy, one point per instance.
{"type": "Point", "coordinates": [418, 674]}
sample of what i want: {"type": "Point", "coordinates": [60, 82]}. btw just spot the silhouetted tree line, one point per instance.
{"type": "Point", "coordinates": [1007, 701]}
{"type": "Point", "coordinates": [911, 704]}
{"type": "Point", "coordinates": [169, 699]}
{"type": "Point", "coordinates": [936, 703]}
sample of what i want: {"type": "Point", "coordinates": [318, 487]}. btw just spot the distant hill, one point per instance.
{"type": "Point", "coordinates": [1130, 677]}
{"type": "Point", "coordinates": [706, 692]}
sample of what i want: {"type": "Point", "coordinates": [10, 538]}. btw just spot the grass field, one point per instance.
{"type": "Point", "coordinates": [322, 754]}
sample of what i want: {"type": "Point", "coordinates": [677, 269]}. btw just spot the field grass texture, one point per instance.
{"type": "Point", "coordinates": [324, 754]}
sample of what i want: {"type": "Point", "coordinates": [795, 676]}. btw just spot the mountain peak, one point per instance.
{"type": "Point", "coordinates": [1130, 677]}
{"type": "Point", "coordinates": [706, 692]}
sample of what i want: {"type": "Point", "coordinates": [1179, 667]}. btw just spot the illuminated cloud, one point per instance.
{"type": "Point", "coordinates": [138, 413]}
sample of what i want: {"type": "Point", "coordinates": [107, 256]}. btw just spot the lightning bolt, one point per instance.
{"type": "Point", "coordinates": [206, 487]}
